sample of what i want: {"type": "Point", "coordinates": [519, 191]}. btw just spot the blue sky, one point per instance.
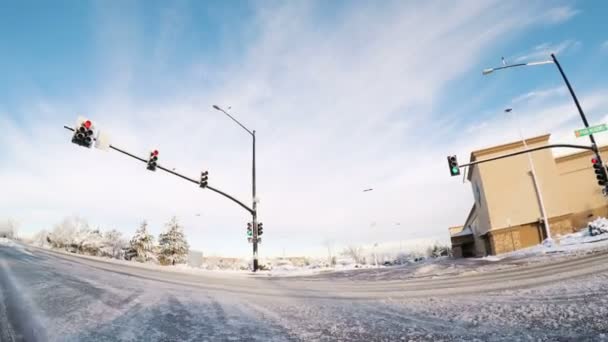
{"type": "Point", "coordinates": [344, 96]}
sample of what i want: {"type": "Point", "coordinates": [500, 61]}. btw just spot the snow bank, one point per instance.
{"type": "Point", "coordinates": [12, 244]}
{"type": "Point", "coordinates": [581, 242]}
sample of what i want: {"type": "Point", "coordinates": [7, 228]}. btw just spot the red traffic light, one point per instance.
{"type": "Point", "coordinates": [594, 160]}
{"type": "Point", "coordinates": [155, 152]}
{"type": "Point", "coordinates": [87, 124]}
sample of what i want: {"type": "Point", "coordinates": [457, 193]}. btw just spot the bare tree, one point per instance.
{"type": "Point", "coordinates": [355, 252]}
{"type": "Point", "coordinates": [331, 259]}
{"type": "Point", "coordinates": [113, 244]}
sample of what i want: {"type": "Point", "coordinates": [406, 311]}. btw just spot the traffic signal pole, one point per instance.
{"type": "Point", "coordinates": [218, 191]}
{"type": "Point", "coordinates": [581, 113]}
{"type": "Point", "coordinates": [254, 213]}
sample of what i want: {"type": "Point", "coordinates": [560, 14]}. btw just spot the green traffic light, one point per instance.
{"type": "Point", "coordinates": [454, 170]}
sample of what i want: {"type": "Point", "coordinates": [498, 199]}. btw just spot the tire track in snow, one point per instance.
{"type": "Point", "coordinates": [21, 315]}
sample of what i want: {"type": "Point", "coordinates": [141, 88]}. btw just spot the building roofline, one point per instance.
{"type": "Point", "coordinates": [576, 155]}
{"type": "Point", "coordinates": [498, 148]}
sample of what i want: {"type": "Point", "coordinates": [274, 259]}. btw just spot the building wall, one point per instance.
{"type": "Point", "coordinates": [527, 235]}
{"type": "Point", "coordinates": [514, 238]}
{"type": "Point", "coordinates": [578, 181]}
{"type": "Point", "coordinates": [480, 217]}
{"type": "Point", "coordinates": [479, 220]}
{"type": "Point", "coordinates": [510, 190]}
{"type": "Point", "coordinates": [506, 215]}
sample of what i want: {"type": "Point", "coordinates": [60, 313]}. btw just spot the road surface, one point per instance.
{"type": "Point", "coordinates": [50, 296]}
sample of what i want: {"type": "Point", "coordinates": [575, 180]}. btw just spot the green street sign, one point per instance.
{"type": "Point", "coordinates": [591, 130]}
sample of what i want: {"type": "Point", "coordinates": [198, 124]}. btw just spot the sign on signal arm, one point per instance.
{"type": "Point", "coordinates": [590, 130]}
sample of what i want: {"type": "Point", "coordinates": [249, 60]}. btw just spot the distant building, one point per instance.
{"type": "Point", "coordinates": [505, 215]}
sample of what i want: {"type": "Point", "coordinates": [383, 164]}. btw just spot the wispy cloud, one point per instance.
{"type": "Point", "coordinates": [557, 15]}
{"type": "Point", "coordinates": [540, 94]}
{"type": "Point", "coordinates": [604, 46]}
{"type": "Point", "coordinates": [337, 108]}
{"type": "Point", "coordinates": [543, 51]}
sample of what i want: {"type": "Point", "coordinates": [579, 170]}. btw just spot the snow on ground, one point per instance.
{"type": "Point", "coordinates": [576, 244]}
{"type": "Point", "coordinates": [16, 245]}
{"type": "Point", "coordinates": [579, 243]}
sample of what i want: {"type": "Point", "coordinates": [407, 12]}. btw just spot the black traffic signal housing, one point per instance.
{"type": "Point", "coordinates": [152, 161]}
{"type": "Point", "coordinates": [204, 179]}
{"type": "Point", "coordinates": [453, 164]}
{"type": "Point", "coordinates": [260, 229]}
{"type": "Point", "coordinates": [600, 171]}
{"type": "Point", "coordinates": [249, 229]}
{"type": "Point", "coordinates": [83, 134]}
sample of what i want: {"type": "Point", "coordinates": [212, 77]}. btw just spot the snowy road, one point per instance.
{"type": "Point", "coordinates": [47, 296]}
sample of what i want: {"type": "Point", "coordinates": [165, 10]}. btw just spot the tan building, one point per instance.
{"type": "Point", "coordinates": [506, 214]}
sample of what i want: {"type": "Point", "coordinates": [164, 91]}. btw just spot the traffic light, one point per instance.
{"type": "Point", "coordinates": [83, 133]}
{"type": "Point", "coordinates": [249, 229]}
{"type": "Point", "coordinates": [600, 172]}
{"type": "Point", "coordinates": [204, 179]}
{"type": "Point", "coordinates": [152, 160]}
{"type": "Point", "coordinates": [453, 163]}
{"type": "Point", "coordinates": [260, 229]}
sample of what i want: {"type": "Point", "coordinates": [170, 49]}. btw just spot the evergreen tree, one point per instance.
{"type": "Point", "coordinates": [142, 244]}
{"type": "Point", "coordinates": [173, 247]}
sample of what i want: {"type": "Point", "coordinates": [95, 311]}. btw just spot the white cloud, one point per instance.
{"type": "Point", "coordinates": [554, 114]}
{"type": "Point", "coordinates": [560, 14]}
{"type": "Point", "coordinates": [337, 109]}
{"type": "Point", "coordinates": [543, 51]}
{"type": "Point", "coordinates": [604, 46]}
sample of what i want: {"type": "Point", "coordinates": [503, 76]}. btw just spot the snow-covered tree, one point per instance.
{"type": "Point", "coordinates": [89, 241]}
{"type": "Point", "coordinates": [438, 250]}
{"type": "Point", "coordinates": [173, 247]}
{"type": "Point", "coordinates": [113, 244]}
{"type": "Point", "coordinates": [142, 244]}
{"type": "Point", "coordinates": [41, 239]}
{"type": "Point", "coordinates": [69, 233]}
{"type": "Point", "coordinates": [8, 228]}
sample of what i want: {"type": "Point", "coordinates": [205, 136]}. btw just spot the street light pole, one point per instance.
{"type": "Point", "coordinates": [254, 212]}
{"type": "Point", "coordinates": [554, 60]}
{"type": "Point", "coordinates": [534, 178]}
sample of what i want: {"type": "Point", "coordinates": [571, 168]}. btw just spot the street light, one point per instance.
{"type": "Point", "coordinates": [491, 70]}
{"type": "Point", "coordinates": [534, 178]}
{"type": "Point", "coordinates": [254, 199]}
{"type": "Point", "coordinates": [554, 60]}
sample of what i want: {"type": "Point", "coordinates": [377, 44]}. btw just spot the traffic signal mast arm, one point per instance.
{"type": "Point", "coordinates": [177, 174]}
{"type": "Point", "coordinates": [582, 147]}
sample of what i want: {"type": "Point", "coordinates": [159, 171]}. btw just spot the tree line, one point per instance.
{"type": "Point", "coordinates": [75, 235]}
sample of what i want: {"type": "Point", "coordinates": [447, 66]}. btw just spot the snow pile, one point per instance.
{"type": "Point", "coordinates": [7, 242]}
{"type": "Point", "coordinates": [598, 226]}
{"type": "Point", "coordinates": [12, 244]}
{"type": "Point", "coordinates": [585, 241]}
